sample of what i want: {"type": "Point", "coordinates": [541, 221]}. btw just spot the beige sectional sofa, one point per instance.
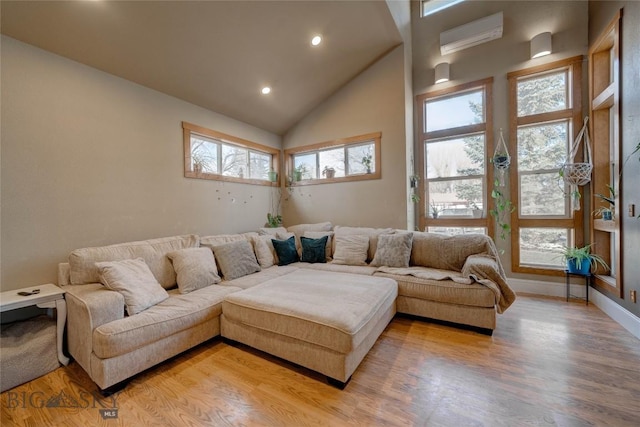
{"type": "Point", "coordinates": [457, 279]}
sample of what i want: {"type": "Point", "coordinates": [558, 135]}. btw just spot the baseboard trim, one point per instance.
{"type": "Point", "coordinates": [624, 317]}
{"type": "Point", "coordinates": [552, 289]}
{"type": "Point", "coordinates": [618, 313]}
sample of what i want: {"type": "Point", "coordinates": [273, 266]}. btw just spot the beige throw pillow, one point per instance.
{"type": "Point", "coordinates": [195, 268]}
{"type": "Point", "coordinates": [133, 279]}
{"type": "Point", "coordinates": [265, 252]}
{"type": "Point", "coordinates": [351, 250]}
{"type": "Point", "coordinates": [394, 250]}
{"type": "Point", "coordinates": [236, 259]}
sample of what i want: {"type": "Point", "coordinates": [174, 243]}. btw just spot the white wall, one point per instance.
{"type": "Point", "coordinates": [91, 159]}
{"type": "Point", "coordinates": [372, 102]}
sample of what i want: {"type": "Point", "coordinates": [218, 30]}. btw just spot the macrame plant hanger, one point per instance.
{"type": "Point", "coordinates": [501, 160]}
{"type": "Point", "coordinates": [575, 174]}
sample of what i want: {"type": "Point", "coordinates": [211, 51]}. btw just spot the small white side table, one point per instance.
{"type": "Point", "coordinates": [50, 296]}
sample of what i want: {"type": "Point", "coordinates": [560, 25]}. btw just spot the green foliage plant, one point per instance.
{"type": "Point", "coordinates": [299, 172]}
{"type": "Point", "coordinates": [501, 210]}
{"type": "Point", "coordinates": [366, 162]}
{"type": "Point", "coordinates": [274, 221]}
{"type": "Point", "coordinates": [581, 255]}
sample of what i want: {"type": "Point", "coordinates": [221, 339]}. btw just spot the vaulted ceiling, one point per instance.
{"type": "Point", "coordinates": [216, 54]}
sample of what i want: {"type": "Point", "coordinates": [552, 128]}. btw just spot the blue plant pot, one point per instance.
{"type": "Point", "coordinates": [584, 270]}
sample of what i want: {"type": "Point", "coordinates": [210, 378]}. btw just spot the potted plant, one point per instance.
{"type": "Point", "coordinates": [581, 260]}
{"type": "Point", "coordinates": [329, 172]}
{"type": "Point", "coordinates": [435, 209]}
{"type": "Point", "coordinates": [299, 171]}
{"type": "Point", "coordinates": [366, 162]}
{"type": "Point", "coordinates": [604, 212]}
{"type": "Point", "coordinates": [413, 180]}
{"type": "Point", "coordinates": [475, 209]}
{"type": "Point", "coordinates": [274, 221]}
{"type": "Point", "coordinates": [273, 176]}
{"type": "Point", "coordinates": [198, 160]}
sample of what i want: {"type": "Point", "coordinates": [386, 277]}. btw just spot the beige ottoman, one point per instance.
{"type": "Point", "coordinates": [324, 321]}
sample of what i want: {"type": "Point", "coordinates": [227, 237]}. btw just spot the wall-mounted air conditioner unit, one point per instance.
{"type": "Point", "coordinates": [471, 34]}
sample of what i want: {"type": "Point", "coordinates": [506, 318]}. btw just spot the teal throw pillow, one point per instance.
{"type": "Point", "coordinates": [313, 250]}
{"type": "Point", "coordinates": [286, 250]}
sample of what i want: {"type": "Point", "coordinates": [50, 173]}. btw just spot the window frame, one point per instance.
{"type": "Point", "coordinates": [353, 141]}
{"type": "Point", "coordinates": [189, 129]}
{"type": "Point", "coordinates": [574, 221]}
{"type": "Point", "coordinates": [424, 220]}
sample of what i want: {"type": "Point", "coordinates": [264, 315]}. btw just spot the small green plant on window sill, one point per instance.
{"type": "Point", "coordinates": [299, 172]}
{"type": "Point", "coordinates": [415, 198]}
{"type": "Point", "coordinates": [502, 208]}
{"type": "Point", "coordinates": [607, 212]}
{"type": "Point", "coordinates": [366, 162]}
{"type": "Point", "coordinates": [435, 209]}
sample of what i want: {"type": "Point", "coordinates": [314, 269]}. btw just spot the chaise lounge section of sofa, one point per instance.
{"type": "Point", "coordinates": [452, 278]}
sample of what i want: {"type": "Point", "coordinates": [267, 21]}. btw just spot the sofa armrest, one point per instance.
{"type": "Point", "coordinates": [487, 270]}
{"type": "Point", "coordinates": [89, 306]}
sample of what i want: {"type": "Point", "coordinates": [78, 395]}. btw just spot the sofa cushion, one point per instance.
{"type": "Point", "coordinates": [220, 239]}
{"type": "Point", "coordinates": [447, 252]}
{"type": "Point", "coordinates": [262, 276]}
{"type": "Point", "coordinates": [365, 270]}
{"type": "Point", "coordinates": [351, 250]}
{"type": "Point", "coordinates": [271, 231]}
{"type": "Point", "coordinates": [394, 250]}
{"type": "Point", "coordinates": [177, 313]}
{"type": "Point", "coordinates": [133, 279]}
{"type": "Point", "coordinates": [195, 268]}
{"type": "Point", "coordinates": [286, 250]}
{"type": "Point", "coordinates": [373, 234]}
{"type": "Point", "coordinates": [236, 259]}
{"type": "Point", "coordinates": [265, 252]}
{"type": "Point", "coordinates": [300, 229]}
{"type": "Point", "coordinates": [313, 250]}
{"type": "Point", "coordinates": [444, 291]}
{"type": "Point", "coordinates": [328, 251]}
{"type": "Point", "coordinates": [82, 261]}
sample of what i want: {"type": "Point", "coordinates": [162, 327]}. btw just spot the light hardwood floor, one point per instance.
{"type": "Point", "coordinates": [549, 363]}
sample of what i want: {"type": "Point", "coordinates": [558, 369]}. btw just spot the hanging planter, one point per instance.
{"type": "Point", "coordinates": [575, 174]}
{"type": "Point", "coordinates": [501, 160]}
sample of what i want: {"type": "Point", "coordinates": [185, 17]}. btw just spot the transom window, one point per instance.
{"type": "Point", "coordinates": [544, 109]}
{"type": "Point", "coordinates": [214, 155]}
{"type": "Point", "coordinates": [455, 137]}
{"type": "Point", "coordinates": [349, 159]}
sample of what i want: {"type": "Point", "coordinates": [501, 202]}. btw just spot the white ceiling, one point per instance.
{"type": "Point", "coordinates": [216, 54]}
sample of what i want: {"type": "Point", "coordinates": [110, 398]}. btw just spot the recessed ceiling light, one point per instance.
{"type": "Point", "coordinates": [266, 90]}
{"type": "Point", "coordinates": [316, 40]}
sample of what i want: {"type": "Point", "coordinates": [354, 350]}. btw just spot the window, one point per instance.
{"type": "Point", "coordinates": [545, 109]}
{"type": "Point", "coordinates": [350, 159]}
{"type": "Point", "coordinates": [214, 155]}
{"type": "Point", "coordinates": [429, 7]}
{"type": "Point", "coordinates": [455, 136]}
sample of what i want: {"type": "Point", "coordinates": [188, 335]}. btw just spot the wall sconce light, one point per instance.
{"type": "Point", "coordinates": [541, 45]}
{"type": "Point", "coordinates": [442, 72]}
